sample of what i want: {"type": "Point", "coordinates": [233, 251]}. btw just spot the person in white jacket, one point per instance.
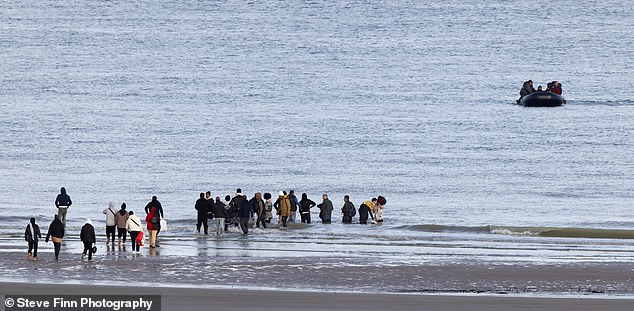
{"type": "Point", "coordinates": [111, 224]}
{"type": "Point", "coordinates": [134, 227]}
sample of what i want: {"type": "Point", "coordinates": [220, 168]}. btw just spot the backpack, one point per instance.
{"type": "Point", "coordinates": [382, 200]}
{"type": "Point", "coordinates": [155, 219]}
{"type": "Point", "coordinates": [352, 211]}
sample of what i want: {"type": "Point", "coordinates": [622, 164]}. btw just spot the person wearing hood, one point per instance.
{"type": "Point", "coordinates": [56, 234]}
{"type": "Point", "coordinates": [133, 224]}
{"type": "Point", "coordinates": [283, 206]}
{"type": "Point", "coordinates": [153, 221]}
{"type": "Point", "coordinates": [111, 224]}
{"type": "Point", "coordinates": [87, 236]}
{"type": "Point", "coordinates": [326, 210]}
{"type": "Point", "coordinates": [259, 207]}
{"type": "Point", "coordinates": [305, 204]}
{"type": "Point", "coordinates": [221, 214]}
{"type": "Point", "coordinates": [32, 235]}
{"type": "Point", "coordinates": [202, 208]}
{"type": "Point", "coordinates": [348, 210]}
{"type": "Point", "coordinates": [62, 202]}
{"type": "Point", "coordinates": [121, 218]}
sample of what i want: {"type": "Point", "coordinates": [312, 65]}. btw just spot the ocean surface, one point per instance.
{"type": "Point", "coordinates": [412, 100]}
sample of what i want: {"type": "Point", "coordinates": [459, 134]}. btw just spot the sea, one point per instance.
{"type": "Point", "coordinates": [412, 100]}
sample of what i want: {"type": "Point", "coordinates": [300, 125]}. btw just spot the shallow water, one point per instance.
{"type": "Point", "coordinates": [414, 101]}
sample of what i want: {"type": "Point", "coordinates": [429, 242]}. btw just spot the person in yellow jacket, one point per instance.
{"type": "Point", "coordinates": [283, 206]}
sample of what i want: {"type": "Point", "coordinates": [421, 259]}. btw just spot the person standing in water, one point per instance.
{"type": "Point", "coordinates": [111, 224]}
{"type": "Point", "coordinates": [268, 205]}
{"type": "Point", "coordinates": [259, 208]}
{"type": "Point", "coordinates": [326, 210]}
{"type": "Point", "coordinates": [294, 204]}
{"type": "Point", "coordinates": [347, 210]}
{"type": "Point", "coordinates": [159, 213]}
{"type": "Point", "coordinates": [220, 212]}
{"type": "Point", "coordinates": [87, 236]}
{"type": "Point", "coordinates": [134, 226]}
{"type": "Point", "coordinates": [283, 205]}
{"type": "Point", "coordinates": [121, 218]}
{"type": "Point", "coordinates": [32, 235]}
{"type": "Point", "coordinates": [56, 234]}
{"type": "Point", "coordinates": [202, 208]}
{"type": "Point", "coordinates": [153, 221]}
{"type": "Point", "coordinates": [63, 202]}
{"type": "Point", "coordinates": [304, 208]}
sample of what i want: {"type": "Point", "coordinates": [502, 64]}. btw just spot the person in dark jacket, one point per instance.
{"type": "Point", "coordinates": [257, 205]}
{"type": "Point", "coordinates": [326, 210]}
{"type": "Point", "coordinates": [220, 212]}
{"type": "Point", "coordinates": [294, 205]}
{"type": "Point", "coordinates": [159, 212]}
{"type": "Point", "coordinates": [56, 234]}
{"type": "Point", "coordinates": [63, 202]}
{"type": "Point", "coordinates": [365, 211]}
{"type": "Point", "coordinates": [527, 88]}
{"type": "Point", "coordinates": [32, 235]}
{"type": "Point", "coordinates": [202, 208]}
{"type": "Point", "coordinates": [87, 236]}
{"type": "Point", "coordinates": [244, 210]}
{"type": "Point", "coordinates": [554, 87]}
{"type": "Point", "coordinates": [347, 210]}
{"type": "Point", "coordinates": [304, 208]}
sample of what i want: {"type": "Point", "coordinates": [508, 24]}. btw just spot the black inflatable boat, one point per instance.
{"type": "Point", "coordinates": [542, 99]}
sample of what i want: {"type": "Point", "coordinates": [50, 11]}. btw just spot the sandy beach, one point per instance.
{"type": "Point", "coordinates": [242, 299]}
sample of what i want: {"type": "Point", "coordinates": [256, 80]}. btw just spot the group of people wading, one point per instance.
{"type": "Point", "coordinates": [241, 211]}
{"type": "Point", "coordinates": [238, 210]}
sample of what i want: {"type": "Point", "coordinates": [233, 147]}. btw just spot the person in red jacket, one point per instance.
{"type": "Point", "coordinates": [153, 225]}
{"type": "Point", "coordinates": [554, 87]}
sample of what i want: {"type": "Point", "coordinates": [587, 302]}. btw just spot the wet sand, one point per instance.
{"type": "Point", "coordinates": [241, 299]}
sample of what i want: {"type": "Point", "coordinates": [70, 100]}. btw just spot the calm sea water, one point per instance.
{"type": "Point", "coordinates": [413, 100]}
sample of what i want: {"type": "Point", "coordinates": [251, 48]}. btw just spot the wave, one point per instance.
{"type": "Point", "coordinates": [552, 232]}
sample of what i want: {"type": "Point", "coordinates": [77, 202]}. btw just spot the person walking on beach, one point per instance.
{"type": "Point", "coordinates": [304, 208]}
{"type": "Point", "coordinates": [153, 221]}
{"type": "Point", "coordinates": [294, 204]}
{"type": "Point", "coordinates": [87, 236]}
{"type": "Point", "coordinates": [365, 210]}
{"type": "Point", "coordinates": [134, 227]}
{"type": "Point", "coordinates": [202, 208]}
{"type": "Point", "coordinates": [56, 234]}
{"type": "Point", "coordinates": [326, 210]}
{"type": "Point", "coordinates": [220, 212]}
{"type": "Point", "coordinates": [121, 218]}
{"type": "Point", "coordinates": [63, 202]}
{"type": "Point", "coordinates": [111, 224]}
{"type": "Point", "coordinates": [159, 212]}
{"type": "Point", "coordinates": [283, 206]}
{"type": "Point", "coordinates": [32, 236]}
{"type": "Point", "coordinates": [347, 210]}
{"type": "Point", "coordinates": [258, 206]}
{"type": "Point", "coordinates": [268, 205]}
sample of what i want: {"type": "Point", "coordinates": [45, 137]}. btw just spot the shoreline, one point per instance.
{"type": "Point", "coordinates": [330, 274]}
{"type": "Point", "coordinates": [179, 298]}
